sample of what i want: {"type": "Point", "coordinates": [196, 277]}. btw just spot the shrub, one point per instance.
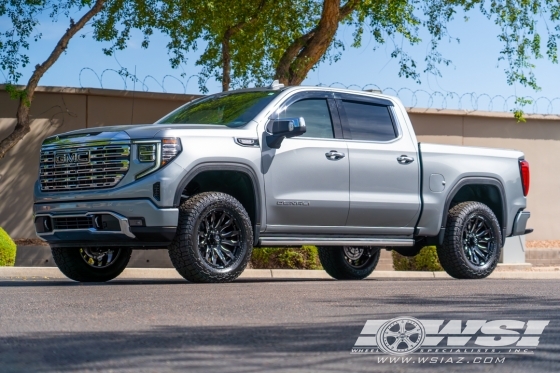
{"type": "Point", "coordinates": [305, 257]}
{"type": "Point", "coordinates": [426, 260]}
{"type": "Point", "coordinates": [7, 249]}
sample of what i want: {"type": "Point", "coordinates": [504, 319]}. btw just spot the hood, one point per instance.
{"type": "Point", "coordinates": [136, 131]}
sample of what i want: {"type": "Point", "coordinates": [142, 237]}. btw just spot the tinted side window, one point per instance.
{"type": "Point", "coordinates": [369, 122]}
{"type": "Point", "coordinates": [316, 114]}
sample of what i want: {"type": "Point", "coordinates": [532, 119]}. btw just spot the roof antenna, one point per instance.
{"type": "Point", "coordinates": [276, 85]}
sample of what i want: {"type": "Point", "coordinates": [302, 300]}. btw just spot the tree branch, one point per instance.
{"type": "Point", "coordinates": [22, 127]}
{"type": "Point", "coordinates": [230, 32]}
{"type": "Point", "coordinates": [307, 50]}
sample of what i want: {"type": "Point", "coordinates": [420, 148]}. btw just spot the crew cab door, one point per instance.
{"type": "Point", "coordinates": [384, 167]}
{"type": "Point", "coordinates": [307, 178]}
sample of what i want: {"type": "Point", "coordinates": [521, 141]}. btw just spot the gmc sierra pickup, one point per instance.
{"type": "Point", "coordinates": [276, 166]}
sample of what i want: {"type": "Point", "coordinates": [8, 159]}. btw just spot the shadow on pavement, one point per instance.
{"type": "Point", "coordinates": [324, 347]}
{"type": "Point", "coordinates": [35, 282]}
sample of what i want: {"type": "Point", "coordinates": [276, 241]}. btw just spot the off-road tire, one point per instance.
{"type": "Point", "coordinates": [73, 266]}
{"type": "Point", "coordinates": [452, 255]}
{"type": "Point", "coordinates": [336, 265]}
{"type": "Point", "coordinates": [184, 251]}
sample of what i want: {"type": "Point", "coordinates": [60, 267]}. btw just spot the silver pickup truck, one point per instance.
{"type": "Point", "coordinates": [276, 166]}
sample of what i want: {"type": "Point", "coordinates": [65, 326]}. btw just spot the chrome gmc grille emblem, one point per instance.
{"type": "Point", "coordinates": [71, 157]}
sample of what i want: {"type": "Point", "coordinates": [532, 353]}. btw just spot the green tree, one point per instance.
{"type": "Point", "coordinates": [14, 42]}
{"type": "Point", "coordinates": [517, 19]}
{"type": "Point", "coordinates": [252, 41]}
{"type": "Point", "coordinates": [24, 16]}
{"type": "Point", "coordinates": [243, 38]}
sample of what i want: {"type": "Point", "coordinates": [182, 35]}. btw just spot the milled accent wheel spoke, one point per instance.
{"type": "Point", "coordinates": [227, 224]}
{"type": "Point", "coordinates": [229, 234]}
{"type": "Point", "coordinates": [230, 242]}
{"type": "Point", "coordinates": [484, 232]}
{"type": "Point", "coordinates": [214, 256]}
{"type": "Point", "coordinates": [227, 252]}
{"type": "Point", "coordinates": [221, 256]}
{"type": "Point", "coordinates": [479, 253]}
{"type": "Point", "coordinates": [220, 220]}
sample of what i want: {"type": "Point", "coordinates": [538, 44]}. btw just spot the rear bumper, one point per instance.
{"type": "Point", "coordinates": [84, 223]}
{"type": "Point", "coordinates": [520, 223]}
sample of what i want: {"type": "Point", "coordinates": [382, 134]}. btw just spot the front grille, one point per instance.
{"type": "Point", "coordinates": [75, 222]}
{"type": "Point", "coordinates": [83, 167]}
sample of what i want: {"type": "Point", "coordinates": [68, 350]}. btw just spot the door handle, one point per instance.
{"type": "Point", "coordinates": [333, 155]}
{"type": "Point", "coordinates": [405, 159]}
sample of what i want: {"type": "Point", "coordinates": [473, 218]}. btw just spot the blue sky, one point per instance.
{"type": "Point", "coordinates": [475, 67]}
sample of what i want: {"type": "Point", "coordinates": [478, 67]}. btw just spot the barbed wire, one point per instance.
{"type": "Point", "coordinates": [125, 75]}
{"type": "Point", "coordinates": [470, 101]}
{"type": "Point", "coordinates": [411, 98]}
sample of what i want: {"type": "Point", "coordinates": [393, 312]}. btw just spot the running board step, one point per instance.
{"type": "Point", "coordinates": [335, 241]}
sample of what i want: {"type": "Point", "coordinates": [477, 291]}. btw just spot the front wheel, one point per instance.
{"type": "Point", "coordinates": [473, 241]}
{"type": "Point", "coordinates": [91, 264]}
{"type": "Point", "coordinates": [347, 262]}
{"type": "Point", "coordinates": [214, 238]}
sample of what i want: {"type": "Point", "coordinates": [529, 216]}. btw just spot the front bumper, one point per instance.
{"type": "Point", "coordinates": [83, 223]}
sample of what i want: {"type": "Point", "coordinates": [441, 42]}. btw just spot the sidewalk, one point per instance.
{"type": "Point", "coordinates": [45, 273]}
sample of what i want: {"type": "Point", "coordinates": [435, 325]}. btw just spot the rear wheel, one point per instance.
{"type": "Point", "coordinates": [473, 241]}
{"type": "Point", "coordinates": [349, 262]}
{"type": "Point", "coordinates": [91, 264]}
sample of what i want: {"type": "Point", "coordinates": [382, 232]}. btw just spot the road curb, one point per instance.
{"type": "Point", "coordinates": [170, 273]}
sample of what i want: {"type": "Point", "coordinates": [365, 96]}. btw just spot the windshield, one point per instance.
{"type": "Point", "coordinates": [232, 110]}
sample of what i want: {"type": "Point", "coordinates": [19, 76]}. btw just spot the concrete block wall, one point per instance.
{"type": "Point", "coordinates": [56, 110]}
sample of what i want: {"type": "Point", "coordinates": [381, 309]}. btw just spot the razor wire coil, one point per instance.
{"type": "Point", "coordinates": [411, 98]}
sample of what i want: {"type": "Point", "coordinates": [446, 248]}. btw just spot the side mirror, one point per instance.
{"type": "Point", "coordinates": [279, 129]}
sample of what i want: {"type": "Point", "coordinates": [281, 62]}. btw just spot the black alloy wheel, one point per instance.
{"type": "Point", "coordinates": [91, 264]}
{"type": "Point", "coordinates": [99, 257]}
{"type": "Point", "coordinates": [214, 239]}
{"type": "Point", "coordinates": [219, 239]}
{"type": "Point", "coordinates": [479, 242]}
{"type": "Point", "coordinates": [349, 262]}
{"type": "Point", "coordinates": [360, 257]}
{"type": "Point", "coordinates": [473, 241]}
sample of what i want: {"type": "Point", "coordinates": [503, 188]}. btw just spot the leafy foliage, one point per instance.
{"type": "Point", "coordinates": [426, 260]}
{"type": "Point", "coordinates": [24, 17]}
{"type": "Point", "coordinates": [306, 257]}
{"type": "Point", "coordinates": [7, 249]}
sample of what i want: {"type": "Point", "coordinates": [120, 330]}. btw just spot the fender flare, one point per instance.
{"type": "Point", "coordinates": [470, 180]}
{"type": "Point", "coordinates": [222, 166]}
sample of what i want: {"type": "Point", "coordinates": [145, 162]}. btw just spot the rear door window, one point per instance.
{"type": "Point", "coordinates": [369, 122]}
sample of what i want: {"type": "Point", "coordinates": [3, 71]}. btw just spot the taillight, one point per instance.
{"type": "Point", "coordinates": [525, 176]}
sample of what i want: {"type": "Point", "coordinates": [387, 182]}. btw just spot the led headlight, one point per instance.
{"type": "Point", "coordinates": [158, 152]}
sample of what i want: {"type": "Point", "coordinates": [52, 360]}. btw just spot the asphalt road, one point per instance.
{"type": "Point", "coordinates": [251, 326]}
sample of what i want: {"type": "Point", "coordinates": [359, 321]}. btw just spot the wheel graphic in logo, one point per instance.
{"type": "Point", "coordinates": [401, 336]}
